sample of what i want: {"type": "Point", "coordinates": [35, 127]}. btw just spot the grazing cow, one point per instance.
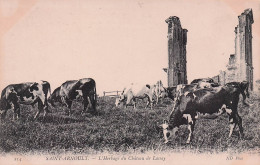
{"type": "Point", "coordinates": [243, 87]}
{"type": "Point", "coordinates": [208, 103]}
{"type": "Point", "coordinates": [27, 93]}
{"type": "Point", "coordinates": [136, 91]}
{"type": "Point", "coordinates": [70, 90]}
{"type": "Point", "coordinates": [117, 102]}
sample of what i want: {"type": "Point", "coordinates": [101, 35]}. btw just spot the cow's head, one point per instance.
{"type": "Point", "coordinates": [122, 97]}
{"type": "Point", "coordinates": [168, 130]}
{"type": "Point", "coordinates": [178, 117]}
{"type": "Point", "coordinates": [117, 102]}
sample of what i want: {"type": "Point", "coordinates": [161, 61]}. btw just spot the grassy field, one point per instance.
{"type": "Point", "coordinates": [124, 131]}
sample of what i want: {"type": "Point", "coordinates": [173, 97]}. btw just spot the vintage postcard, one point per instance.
{"type": "Point", "coordinates": [129, 82]}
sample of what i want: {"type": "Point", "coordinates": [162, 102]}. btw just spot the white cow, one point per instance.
{"type": "Point", "coordinates": [137, 91]}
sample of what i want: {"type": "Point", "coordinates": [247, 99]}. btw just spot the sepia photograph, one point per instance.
{"type": "Point", "coordinates": [130, 82]}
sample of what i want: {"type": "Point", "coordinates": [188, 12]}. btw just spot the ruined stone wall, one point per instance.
{"type": "Point", "coordinates": [240, 66]}
{"type": "Point", "coordinates": [177, 40]}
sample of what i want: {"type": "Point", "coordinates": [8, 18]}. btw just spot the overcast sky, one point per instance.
{"type": "Point", "coordinates": [117, 42]}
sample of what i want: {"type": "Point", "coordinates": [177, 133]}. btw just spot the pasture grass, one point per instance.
{"type": "Point", "coordinates": [120, 130]}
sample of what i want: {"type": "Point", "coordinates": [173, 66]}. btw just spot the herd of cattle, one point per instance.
{"type": "Point", "coordinates": [201, 99]}
{"type": "Point", "coordinates": [31, 93]}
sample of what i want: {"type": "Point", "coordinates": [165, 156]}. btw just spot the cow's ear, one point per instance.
{"type": "Point", "coordinates": [33, 87]}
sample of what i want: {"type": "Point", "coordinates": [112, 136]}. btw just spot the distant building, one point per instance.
{"type": "Point", "coordinates": [240, 64]}
{"type": "Point", "coordinates": [177, 40]}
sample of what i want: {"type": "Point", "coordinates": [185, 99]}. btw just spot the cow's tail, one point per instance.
{"type": "Point", "coordinates": [95, 96]}
{"type": "Point", "coordinates": [49, 91]}
{"type": "Point", "coordinates": [3, 93]}
{"type": "Point", "coordinates": [95, 93]}
{"type": "Point", "coordinates": [4, 105]}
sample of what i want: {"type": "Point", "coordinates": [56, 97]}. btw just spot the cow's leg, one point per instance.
{"type": "Point", "coordinates": [128, 100]}
{"type": "Point", "coordinates": [45, 110]}
{"type": "Point", "coordinates": [4, 111]}
{"type": "Point", "coordinates": [232, 125]}
{"type": "Point", "coordinates": [124, 104]}
{"type": "Point", "coordinates": [46, 106]}
{"type": "Point", "coordinates": [69, 104]}
{"type": "Point", "coordinates": [16, 114]}
{"type": "Point", "coordinates": [86, 104]}
{"type": "Point", "coordinates": [190, 133]}
{"type": "Point", "coordinates": [191, 124]}
{"type": "Point", "coordinates": [40, 109]}
{"type": "Point", "coordinates": [150, 102]}
{"type": "Point", "coordinates": [147, 104]}
{"type": "Point", "coordinates": [232, 119]}
{"type": "Point", "coordinates": [93, 101]}
{"type": "Point", "coordinates": [168, 134]}
{"type": "Point", "coordinates": [89, 102]}
{"type": "Point", "coordinates": [239, 123]}
{"type": "Point", "coordinates": [165, 135]}
{"type": "Point", "coordinates": [134, 102]}
{"type": "Point", "coordinates": [191, 129]}
{"type": "Point", "coordinates": [244, 98]}
{"type": "Point", "coordinates": [157, 99]}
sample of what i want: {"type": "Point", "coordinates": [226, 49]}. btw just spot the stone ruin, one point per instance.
{"type": "Point", "coordinates": [240, 64]}
{"type": "Point", "coordinates": [177, 40]}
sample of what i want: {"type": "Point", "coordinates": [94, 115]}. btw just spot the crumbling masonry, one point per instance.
{"type": "Point", "coordinates": [240, 65]}
{"type": "Point", "coordinates": [177, 40]}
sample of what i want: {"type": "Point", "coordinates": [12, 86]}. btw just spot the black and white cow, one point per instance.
{"type": "Point", "coordinates": [204, 103]}
{"type": "Point", "coordinates": [27, 93]}
{"type": "Point", "coordinates": [69, 91]}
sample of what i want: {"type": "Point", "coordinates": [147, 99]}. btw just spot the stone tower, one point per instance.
{"type": "Point", "coordinates": [243, 46]}
{"type": "Point", "coordinates": [240, 65]}
{"type": "Point", "coordinates": [177, 40]}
